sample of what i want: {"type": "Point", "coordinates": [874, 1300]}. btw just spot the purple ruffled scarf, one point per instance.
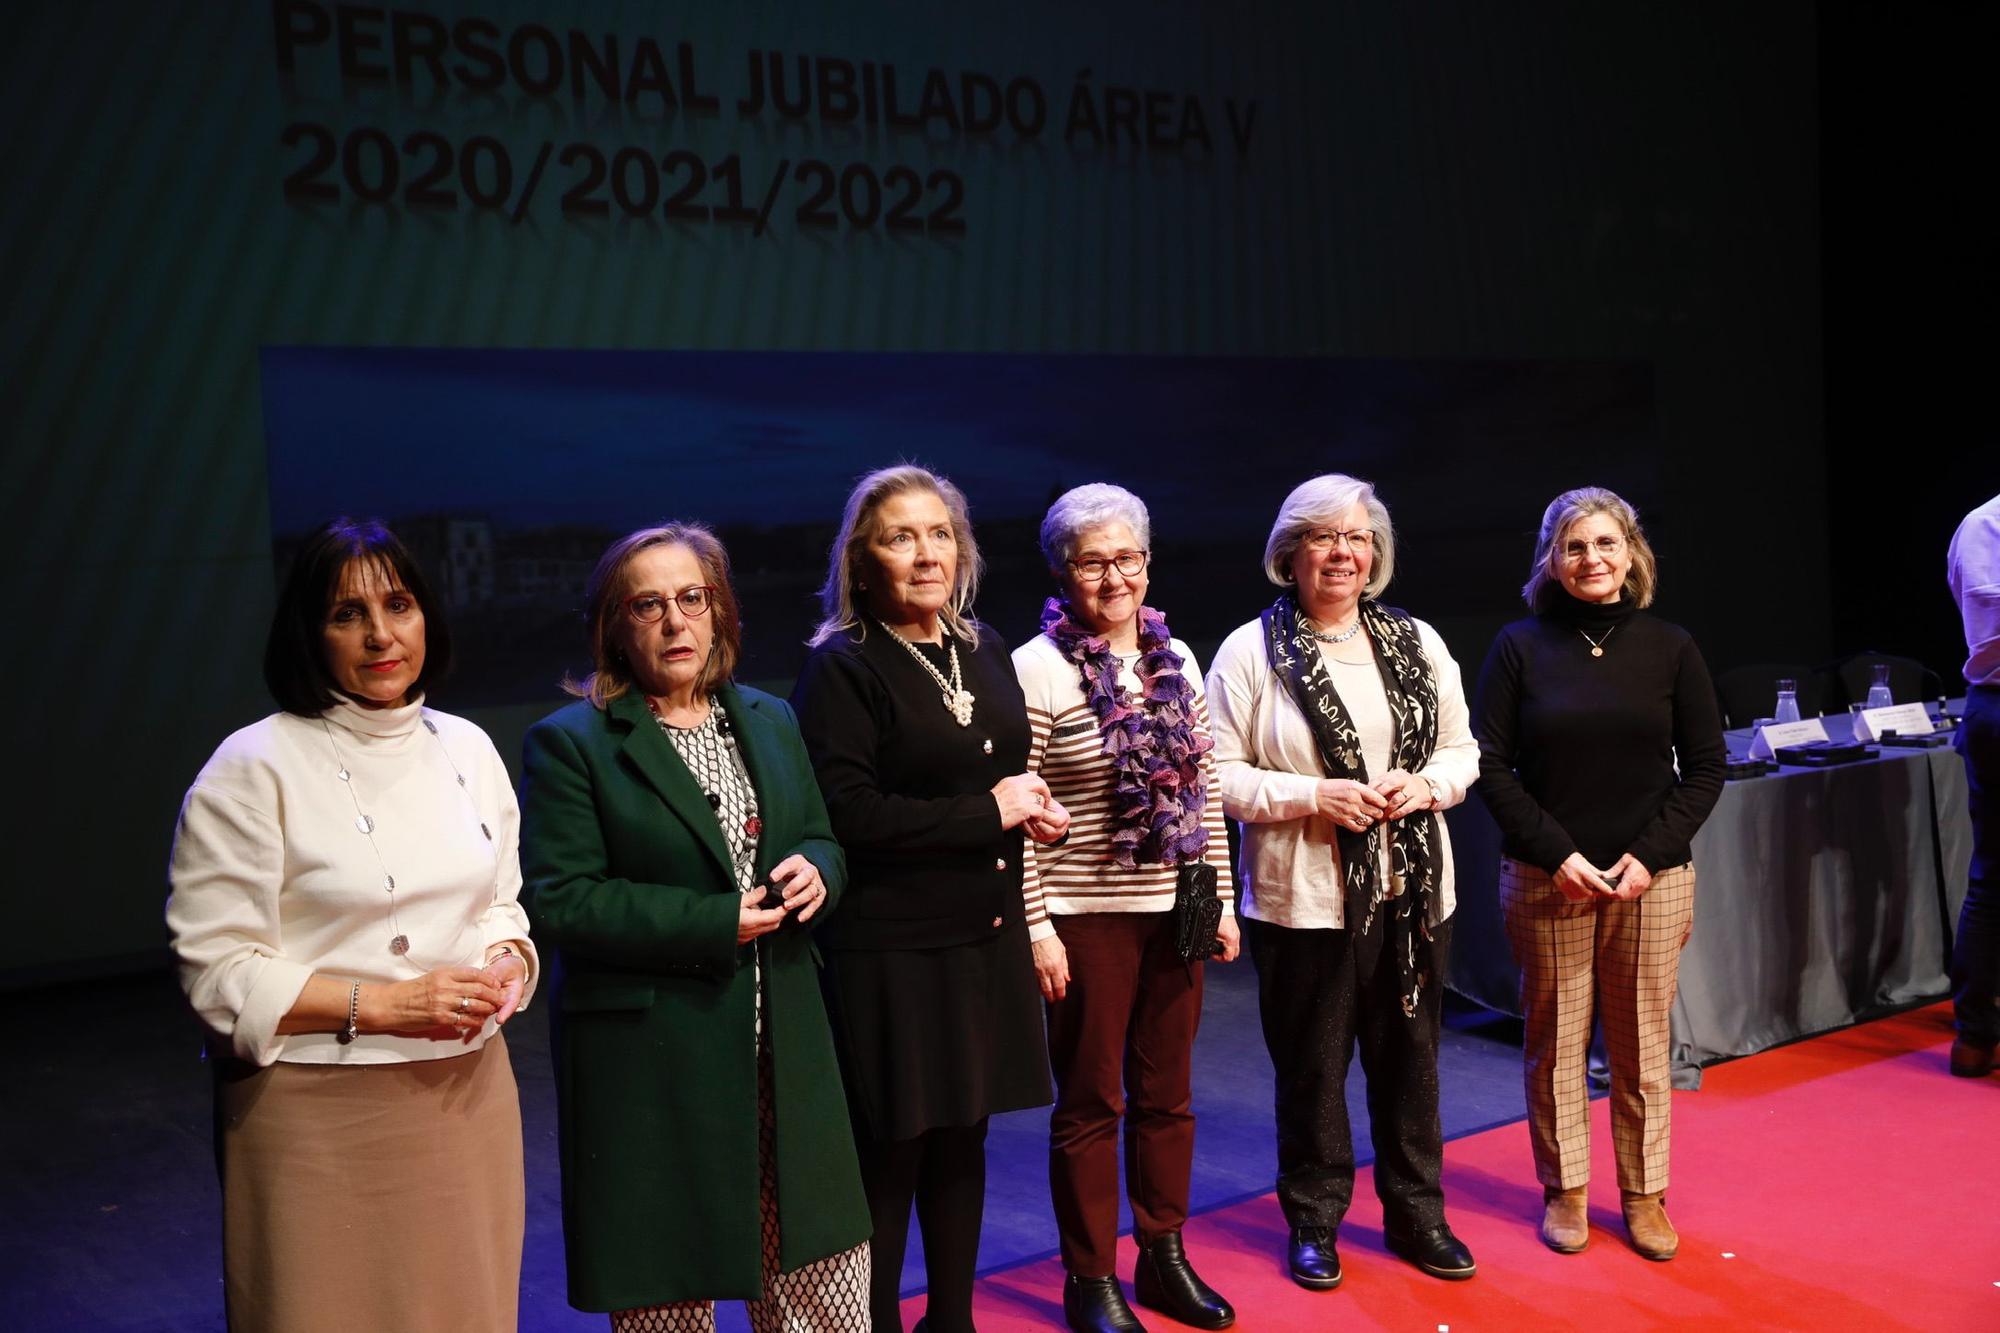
{"type": "Point", "coordinates": [1159, 791]}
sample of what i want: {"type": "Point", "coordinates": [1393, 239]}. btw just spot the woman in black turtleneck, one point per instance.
{"type": "Point", "coordinates": [1583, 713]}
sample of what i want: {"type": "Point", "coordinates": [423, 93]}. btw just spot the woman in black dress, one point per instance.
{"type": "Point", "coordinates": [919, 737]}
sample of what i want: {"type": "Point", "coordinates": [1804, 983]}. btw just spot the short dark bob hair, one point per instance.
{"type": "Point", "coordinates": [604, 598]}
{"type": "Point", "coordinates": [295, 669]}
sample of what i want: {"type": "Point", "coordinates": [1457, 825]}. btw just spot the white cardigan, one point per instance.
{"type": "Point", "coordinates": [273, 880]}
{"type": "Point", "coordinates": [1270, 772]}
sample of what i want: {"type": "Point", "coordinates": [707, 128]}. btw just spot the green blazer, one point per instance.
{"type": "Point", "coordinates": [626, 873]}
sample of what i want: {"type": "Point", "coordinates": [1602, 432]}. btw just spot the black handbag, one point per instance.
{"type": "Point", "coordinates": [1197, 911]}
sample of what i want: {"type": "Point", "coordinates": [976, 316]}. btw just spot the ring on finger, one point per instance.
{"type": "Point", "coordinates": [464, 1001]}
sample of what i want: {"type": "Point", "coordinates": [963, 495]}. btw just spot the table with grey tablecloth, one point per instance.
{"type": "Point", "coordinates": [1823, 896]}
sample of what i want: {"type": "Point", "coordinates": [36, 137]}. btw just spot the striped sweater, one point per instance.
{"type": "Point", "coordinates": [1066, 749]}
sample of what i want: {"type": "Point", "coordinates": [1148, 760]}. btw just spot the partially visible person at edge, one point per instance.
{"type": "Point", "coordinates": [344, 910]}
{"type": "Point", "coordinates": [920, 739]}
{"type": "Point", "coordinates": [679, 860]}
{"type": "Point", "coordinates": [1120, 733]}
{"type": "Point", "coordinates": [1600, 754]}
{"type": "Point", "coordinates": [1340, 733]}
{"type": "Point", "coordinates": [1973, 565]}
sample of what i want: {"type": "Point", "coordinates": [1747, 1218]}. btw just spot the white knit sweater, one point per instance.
{"type": "Point", "coordinates": [273, 880]}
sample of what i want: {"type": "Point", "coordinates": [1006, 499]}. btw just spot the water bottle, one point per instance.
{"type": "Point", "coordinates": [1878, 692]}
{"type": "Point", "coordinates": [1788, 702]}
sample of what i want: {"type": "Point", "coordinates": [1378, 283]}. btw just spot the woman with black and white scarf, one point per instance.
{"type": "Point", "coordinates": [1340, 732]}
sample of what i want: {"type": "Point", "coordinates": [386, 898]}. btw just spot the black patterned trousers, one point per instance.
{"type": "Point", "coordinates": [1321, 994]}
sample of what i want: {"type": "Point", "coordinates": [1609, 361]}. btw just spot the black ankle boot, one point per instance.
{"type": "Point", "coordinates": [1096, 1305]}
{"type": "Point", "coordinates": [1165, 1281]}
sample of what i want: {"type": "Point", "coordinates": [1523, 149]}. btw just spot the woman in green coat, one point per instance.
{"type": "Point", "coordinates": [677, 854]}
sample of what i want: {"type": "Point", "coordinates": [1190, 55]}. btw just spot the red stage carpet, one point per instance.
{"type": "Point", "coordinates": [1841, 1183]}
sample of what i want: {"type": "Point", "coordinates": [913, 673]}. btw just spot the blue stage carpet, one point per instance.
{"type": "Point", "coordinates": [109, 1216]}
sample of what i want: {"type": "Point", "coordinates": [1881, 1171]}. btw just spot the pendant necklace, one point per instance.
{"type": "Point", "coordinates": [399, 943]}
{"type": "Point", "coordinates": [1597, 644]}
{"type": "Point", "coordinates": [957, 699]}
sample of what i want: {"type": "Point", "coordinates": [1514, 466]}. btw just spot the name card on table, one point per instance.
{"type": "Point", "coordinates": [1774, 734]}
{"type": "Point", "coordinates": [1903, 719]}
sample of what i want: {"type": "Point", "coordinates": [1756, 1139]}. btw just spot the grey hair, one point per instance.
{"type": "Point", "coordinates": [1545, 586]}
{"type": "Point", "coordinates": [1082, 508]}
{"type": "Point", "coordinates": [840, 610]}
{"type": "Point", "coordinates": [1319, 503]}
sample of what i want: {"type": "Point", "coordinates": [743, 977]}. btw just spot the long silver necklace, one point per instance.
{"type": "Point", "coordinates": [957, 699]}
{"type": "Point", "coordinates": [702, 748]}
{"type": "Point", "coordinates": [399, 943]}
{"type": "Point", "coordinates": [1597, 644]}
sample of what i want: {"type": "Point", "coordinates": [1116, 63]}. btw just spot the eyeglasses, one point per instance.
{"type": "Point", "coordinates": [1360, 541]}
{"type": "Point", "coordinates": [1606, 546]}
{"type": "Point", "coordinates": [1093, 568]}
{"type": "Point", "coordinates": [648, 607]}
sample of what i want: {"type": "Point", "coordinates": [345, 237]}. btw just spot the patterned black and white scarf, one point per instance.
{"type": "Point", "coordinates": [1416, 841]}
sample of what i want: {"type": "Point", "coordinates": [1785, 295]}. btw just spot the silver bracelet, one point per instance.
{"type": "Point", "coordinates": [353, 1029]}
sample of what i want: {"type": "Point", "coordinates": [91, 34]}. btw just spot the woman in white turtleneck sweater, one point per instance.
{"type": "Point", "coordinates": [345, 875]}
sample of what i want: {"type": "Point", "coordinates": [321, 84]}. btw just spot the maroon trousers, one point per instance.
{"type": "Point", "coordinates": [1121, 1043]}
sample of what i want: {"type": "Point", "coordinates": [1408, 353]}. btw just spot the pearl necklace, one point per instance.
{"type": "Point", "coordinates": [399, 943]}
{"type": "Point", "coordinates": [957, 699]}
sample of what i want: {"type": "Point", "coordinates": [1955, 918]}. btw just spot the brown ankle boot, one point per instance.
{"type": "Point", "coordinates": [1653, 1236]}
{"type": "Point", "coordinates": [1566, 1219]}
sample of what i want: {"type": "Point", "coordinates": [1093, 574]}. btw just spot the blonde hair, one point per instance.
{"type": "Point", "coordinates": [604, 595]}
{"type": "Point", "coordinates": [1319, 503]}
{"type": "Point", "coordinates": [840, 609]}
{"type": "Point", "coordinates": [1565, 511]}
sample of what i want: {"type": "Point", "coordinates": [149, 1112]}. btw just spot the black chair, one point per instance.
{"type": "Point", "coordinates": [1910, 681]}
{"type": "Point", "coordinates": [1747, 693]}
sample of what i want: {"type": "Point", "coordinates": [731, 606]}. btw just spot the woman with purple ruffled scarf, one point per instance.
{"type": "Point", "coordinates": [1120, 734]}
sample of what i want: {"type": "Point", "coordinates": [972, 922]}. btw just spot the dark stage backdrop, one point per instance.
{"type": "Point", "coordinates": [509, 472]}
{"type": "Point", "coordinates": [265, 261]}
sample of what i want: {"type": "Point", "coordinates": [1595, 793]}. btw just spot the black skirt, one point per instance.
{"type": "Point", "coordinates": [931, 1038]}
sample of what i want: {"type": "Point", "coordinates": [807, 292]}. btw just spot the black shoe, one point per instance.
{"type": "Point", "coordinates": [1970, 1059]}
{"type": "Point", "coordinates": [1096, 1305]}
{"type": "Point", "coordinates": [1314, 1263]}
{"type": "Point", "coordinates": [1165, 1281]}
{"type": "Point", "coordinates": [1435, 1250]}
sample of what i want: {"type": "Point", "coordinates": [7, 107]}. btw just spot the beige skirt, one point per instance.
{"type": "Point", "coordinates": [381, 1197]}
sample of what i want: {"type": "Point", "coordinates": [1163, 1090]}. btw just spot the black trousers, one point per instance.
{"type": "Point", "coordinates": [1976, 948]}
{"type": "Point", "coordinates": [1321, 993]}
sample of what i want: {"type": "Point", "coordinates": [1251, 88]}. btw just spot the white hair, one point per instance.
{"type": "Point", "coordinates": [1082, 508]}
{"type": "Point", "coordinates": [1322, 503]}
